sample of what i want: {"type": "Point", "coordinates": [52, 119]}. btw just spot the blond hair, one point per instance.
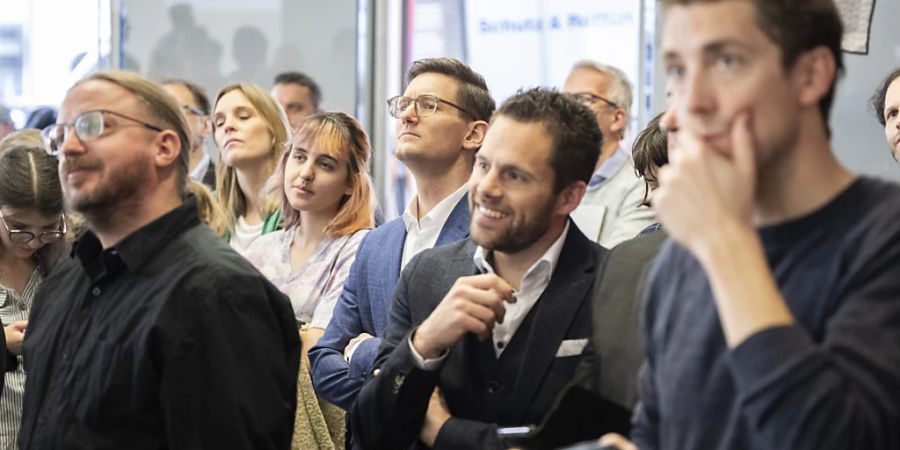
{"type": "Point", "coordinates": [228, 192]}
{"type": "Point", "coordinates": [343, 138]}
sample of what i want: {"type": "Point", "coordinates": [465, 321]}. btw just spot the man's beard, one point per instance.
{"type": "Point", "coordinates": [108, 193]}
{"type": "Point", "coordinates": [520, 236]}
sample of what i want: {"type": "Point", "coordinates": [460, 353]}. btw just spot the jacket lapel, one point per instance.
{"type": "Point", "coordinates": [553, 315]}
{"type": "Point", "coordinates": [457, 226]}
{"type": "Point", "coordinates": [392, 248]}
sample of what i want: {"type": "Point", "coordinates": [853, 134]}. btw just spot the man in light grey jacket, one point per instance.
{"type": "Point", "coordinates": [611, 211]}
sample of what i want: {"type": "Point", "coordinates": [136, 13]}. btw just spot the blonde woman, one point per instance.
{"type": "Point", "coordinates": [250, 130]}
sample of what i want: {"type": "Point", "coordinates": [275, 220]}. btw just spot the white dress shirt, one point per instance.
{"type": "Point", "coordinates": [534, 282]}
{"type": "Point", "coordinates": [423, 233]}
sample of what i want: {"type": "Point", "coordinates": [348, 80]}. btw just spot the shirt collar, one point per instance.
{"type": "Point", "coordinates": [141, 245]}
{"type": "Point", "coordinates": [438, 215]}
{"type": "Point", "coordinates": [200, 170]}
{"type": "Point", "coordinates": [549, 259]}
{"type": "Point", "coordinates": [611, 165]}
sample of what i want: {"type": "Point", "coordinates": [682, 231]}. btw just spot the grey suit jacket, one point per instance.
{"type": "Point", "coordinates": [481, 390]}
{"type": "Point", "coordinates": [604, 392]}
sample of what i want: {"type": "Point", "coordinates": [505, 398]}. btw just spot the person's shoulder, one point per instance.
{"type": "Point", "coordinates": [210, 257]}
{"type": "Point", "coordinates": [388, 228]}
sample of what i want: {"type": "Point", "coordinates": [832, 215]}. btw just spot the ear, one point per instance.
{"type": "Point", "coordinates": [168, 147]}
{"type": "Point", "coordinates": [475, 132]}
{"type": "Point", "coordinates": [813, 75]}
{"type": "Point", "coordinates": [570, 197]}
{"type": "Point", "coordinates": [206, 129]}
{"type": "Point", "coordinates": [620, 119]}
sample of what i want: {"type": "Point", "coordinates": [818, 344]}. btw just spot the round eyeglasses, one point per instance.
{"type": "Point", "coordinates": [88, 126]}
{"type": "Point", "coordinates": [25, 236]}
{"type": "Point", "coordinates": [425, 105]}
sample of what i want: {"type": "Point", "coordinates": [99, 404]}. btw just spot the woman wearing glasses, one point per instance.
{"type": "Point", "coordinates": [323, 183]}
{"type": "Point", "coordinates": [31, 230]}
{"type": "Point", "coordinates": [251, 131]}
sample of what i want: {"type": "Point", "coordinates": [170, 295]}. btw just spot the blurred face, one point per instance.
{"type": "Point", "coordinates": [610, 119]}
{"type": "Point", "coordinates": [241, 133]}
{"type": "Point", "coordinates": [315, 181]}
{"type": "Point", "coordinates": [296, 101]}
{"type": "Point", "coordinates": [511, 188]}
{"type": "Point", "coordinates": [434, 141]}
{"type": "Point", "coordinates": [198, 122]}
{"type": "Point", "coordinates": [29, 220]}
{"type": "Point", "coordinates": [117, 166]}
{"type": "Point", "coordinates": [723, 67]}
{"type": "Point", "coordinates": [892, 117]}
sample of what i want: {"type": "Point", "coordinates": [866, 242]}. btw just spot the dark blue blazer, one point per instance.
{"type": "Point", "coordinates": [364, 304]}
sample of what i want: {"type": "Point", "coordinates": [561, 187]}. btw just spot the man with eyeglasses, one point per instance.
{"type": "Point", "coordinates": [195, 105]}
{"type": "Point", "coordinates": [441, 122]}
{"type": "Point", "coordinates": [154, 333]}
{"type": "Point", "coordinates": [612, 210]}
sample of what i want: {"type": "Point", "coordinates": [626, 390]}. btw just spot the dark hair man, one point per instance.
{"type": "Point", "coordinates": [154, 333]}
{"type": "Point", "coordinates": [886, 106]}
{"type": "Point", "coordinates": [298, 94]}
{"type": "Point", "coordinates": [771, 320]}
{"type": "Point", "coordinates": [501, 344]}
{"type": "Point", "coordinates": [441, 122]}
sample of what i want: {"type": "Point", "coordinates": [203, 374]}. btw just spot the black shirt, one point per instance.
{"type": "Point", "coordinates": [167, 340]}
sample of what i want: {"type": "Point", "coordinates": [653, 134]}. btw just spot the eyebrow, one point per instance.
{"type": "Point", "coordinates": [715, 47]}
{"type": "Point", "coordinates": [506, 168]}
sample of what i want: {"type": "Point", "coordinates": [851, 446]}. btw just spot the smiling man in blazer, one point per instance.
{"type": "Point", "coordinates": [498, 322]}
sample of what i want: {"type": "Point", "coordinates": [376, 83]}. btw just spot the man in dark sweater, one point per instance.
{"type": "Point", "coordinates": [772, 321]}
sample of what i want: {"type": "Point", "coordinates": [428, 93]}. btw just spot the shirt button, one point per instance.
{"type": "Point", "coordinates": [23, 307]}
{"type": "Point", "coordinates": [95, 291]}
{"type": "Point", "coordinates": [500, 345]}
{"type": "Point", "coordinates": [493, 387]}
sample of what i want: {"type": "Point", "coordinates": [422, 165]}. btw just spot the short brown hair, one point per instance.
{"type": "Point", "coordinates": [473, 94]}
{"type": "Point", "coordinates": [162, 107]}
{"type": "Point", "coordinates": [797, 26]}
{"type": "Point", "coordinates": [197, 92]}
{"type": "Point", "coordinates": [572, 126]}
{"type": "Point", "coordinates": [650, 152]}
{"type": "Point", "coordinates": [878, 98]}
{"type": "Point", "coordinates": [344, 138]}
{"type": "Point", "coordinates": [302, 79]}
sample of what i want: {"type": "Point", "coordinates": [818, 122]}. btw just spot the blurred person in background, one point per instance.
{"type": "Point", "coordinates": [33, 225]}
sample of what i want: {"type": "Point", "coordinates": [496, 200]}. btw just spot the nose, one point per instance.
{"type": "Point", "coordinates": [408, 115]}
{"type": "Point", "coordinates": [35, 244]}
{"type": "Point", "coordinates": [70, 144]}
{"type": "Point", "coordinates": [487, 184]}
{"type": "Point", "coordinates": [696, 95]}
{"type": "Point", "coordinates": [307, 170]}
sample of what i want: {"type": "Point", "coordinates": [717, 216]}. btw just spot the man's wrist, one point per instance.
{"type": "Point", "coordinates": [421, 346]}
{"type": "Point", "coordinates": [722, 241]}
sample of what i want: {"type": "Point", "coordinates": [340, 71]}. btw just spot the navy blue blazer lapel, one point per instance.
{"type": "Point", "coordinates": [457, 226]}
{"type": "Point", "coordinates": [554, 314]}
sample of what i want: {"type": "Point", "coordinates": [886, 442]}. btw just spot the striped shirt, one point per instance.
{"type": "Point", "coordinates": [14, 307]}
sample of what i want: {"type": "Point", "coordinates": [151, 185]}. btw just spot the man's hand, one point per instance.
{"type": "Point", "coordinates": [473, 305]}
{"type": "Point", "coordinates": [435, 417]}
{"type": "Point", "coordinates": [15, 334]}
{"type": "Point", "coordinates": [703, 190]}
{"type": "Point", "coordinates": [617, 441]}
{"type": "Point", "coordinates": [353, 342]}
